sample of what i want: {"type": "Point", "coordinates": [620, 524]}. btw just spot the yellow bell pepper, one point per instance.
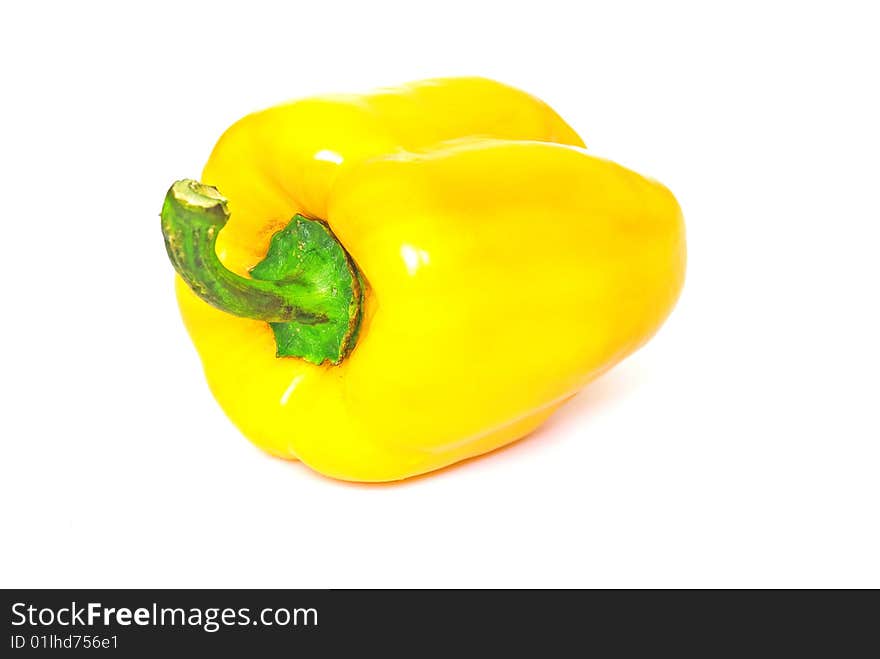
{"type": "Point", "coordinates": [382, 285]}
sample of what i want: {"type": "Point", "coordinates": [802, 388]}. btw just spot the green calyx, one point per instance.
{"type": "Point", "coordinates": [307, 287]}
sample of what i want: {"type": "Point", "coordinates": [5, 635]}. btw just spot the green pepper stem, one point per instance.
{"type": "Point", "coordinates": [307, 287]}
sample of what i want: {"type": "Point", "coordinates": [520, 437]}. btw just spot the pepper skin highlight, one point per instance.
{"type": "Point", "coordinates": [381, 285]}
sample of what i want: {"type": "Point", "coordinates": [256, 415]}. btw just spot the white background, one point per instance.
{"type": "Point", "coordinates": [740, 448]}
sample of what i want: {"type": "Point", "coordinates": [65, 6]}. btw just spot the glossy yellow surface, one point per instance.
{"type": "Point", "coordinates": [506, 269]}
